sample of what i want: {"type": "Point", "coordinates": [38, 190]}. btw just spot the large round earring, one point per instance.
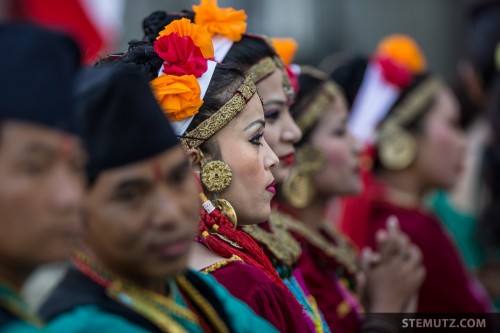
{"type": "Point", "coordinates": [398, 151]}
{"type": "Point", "coordinates": [216, 176]}
{"type": "Point", "coordinates": [298, 188]}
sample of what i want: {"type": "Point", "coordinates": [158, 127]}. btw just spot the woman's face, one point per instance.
{"type": "Point", "coordinates": [441, 146]}
{"type": "Point", "coordinates": [140, 219]}
{"type": "Point", "coordinates": [281, 130]}
{"type": "Point", "coordinates": [244, 149]}
{"type": "Point", "coordinates": [340, 174]}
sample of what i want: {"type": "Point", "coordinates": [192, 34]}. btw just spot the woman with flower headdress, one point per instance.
{"type": "Point", "coordinates": [418, 148]}
{"type": "Point", "coordinates": [225, 145]}
{"type": "Point", "coordinates": [255, 56]}
{"type": "Point", "coordinates": [326, 167]}
{"type": "Point", "coordinates": [129, 271]}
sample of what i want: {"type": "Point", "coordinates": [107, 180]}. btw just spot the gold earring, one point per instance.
{"type": "Point", "coordinates": [298, 188]}
{"type": "Point", "coordinates": [398, 150]}
{"type": "Point", "coordinates": [216, 176]}
{"type": "Point", "coordinates": [227, 209]}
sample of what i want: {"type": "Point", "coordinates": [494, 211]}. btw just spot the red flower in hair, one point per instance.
{"type": "Point", "coordinates": [180, 55]}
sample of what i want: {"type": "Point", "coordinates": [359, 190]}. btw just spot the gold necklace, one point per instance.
{"type": "Point", "coordinates": [343, 251]}
{"type": "Point", "coordinates": [279, 241]}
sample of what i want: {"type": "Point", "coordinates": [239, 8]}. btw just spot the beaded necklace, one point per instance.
{"type": "Point", "coordinates": [13, 303]}
{"type": "Point", "coordinates": [161, 310]}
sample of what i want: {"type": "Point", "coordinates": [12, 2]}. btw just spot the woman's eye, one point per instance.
{"type": "Point", "coordinates": [339, 132]}
{"type": "Point", "coordinates": [256, 140]}
{"type": "Point", "coordinates": [272, 115]}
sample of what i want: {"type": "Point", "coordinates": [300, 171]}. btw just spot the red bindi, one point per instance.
{"type": "Point", "coordinates": [157, 171]}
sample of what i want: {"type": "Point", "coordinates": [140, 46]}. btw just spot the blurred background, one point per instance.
{"type": "Point", "coordinates": [324, 29]}
{"type": "Point", "coordinates": [342, 27]}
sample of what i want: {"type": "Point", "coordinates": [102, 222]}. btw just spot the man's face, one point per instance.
{"type": "Point", "coordinates": [41, 192]}
{"type": "Point", "coordinates": [140, 219]}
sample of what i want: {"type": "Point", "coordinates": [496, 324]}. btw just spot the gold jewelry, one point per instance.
{"type": "Point", "coordinates": [397, 150]}
{"type": "Point", "coordinates": [397, 147]}
{"type": "Point", "coordinates": [298, 188]}
{"type": "Point", "coordinates": [216, 176]}
{"type": "Point", "coordinates": [266, 67]}
{"type": "Point", "coordinates": [342, 251]}
{"type": "Point", "coordinates": [227, 209]}
{"type": "Point", "coordinates": [315, 108]}
{"type": "Point", "coordinates": [279, 241]}
{"type": "Point", "coordinates": [221, 118]}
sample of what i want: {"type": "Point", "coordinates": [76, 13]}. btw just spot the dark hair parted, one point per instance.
{"type": "Point", "coordinates": [415, 124]}
{"type": "Point", "coordinates": [310, 83]}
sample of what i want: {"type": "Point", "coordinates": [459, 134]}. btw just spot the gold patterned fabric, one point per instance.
{"type": "Point", "coordinates": [411, 108]}
{"type": "Point", "coordinates": [315, 109]}
{"type": "Point", "coordinates": [266, 67]}
{"type": "Point", "coordinates": [221, 118]}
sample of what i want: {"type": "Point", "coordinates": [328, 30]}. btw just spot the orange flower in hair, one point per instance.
{"type": "Point", "coordinates": [198, 34]}
{"type": "Point", "coordinates": [404, 50]}
{"type": "Point", "coordinates": [179, 96]}
{"type": "Point", "coordinates": [227, 22]}
{"type": "Point", "coordinates": [286, 49]}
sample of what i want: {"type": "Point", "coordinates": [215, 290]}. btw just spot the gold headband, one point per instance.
{"type": "Point", "coordinates": [413, 105]}
{"type": "Point", "coordinates": [317, 106]}
{"type": "Point", "coordinates": [266, 67]}
{"type": "Point", "coordinates": [221, 118]}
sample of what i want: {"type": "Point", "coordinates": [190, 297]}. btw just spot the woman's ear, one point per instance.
{"type": "Point", "coordinates": [195, 159]}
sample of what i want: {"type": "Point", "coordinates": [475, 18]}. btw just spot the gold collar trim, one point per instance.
{"type": "Point", "coordinates": [343, 251]}
{"type": "Point", "coordinates": [221, 118]}
{"type": "Point", "coordinates": [279, 241]}
{"type": "Point", "coordinates": [315, 109]}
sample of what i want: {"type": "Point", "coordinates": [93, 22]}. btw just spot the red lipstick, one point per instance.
{"type": "Point", "coordinates": [288, 159]}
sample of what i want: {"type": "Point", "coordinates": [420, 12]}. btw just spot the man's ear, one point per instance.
{"type": "Point", "coordinates": [195, 159]}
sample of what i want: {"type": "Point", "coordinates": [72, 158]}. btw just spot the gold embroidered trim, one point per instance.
{"type": "Point", "coordinates": [279, 241]}
{"type": "Point", "coordinates": [266, 67]}
{"type": "Point", "coordinates": [202, 304]}
{"type": "Point", "coordinates": [411, 107]}
{"type": "Point", "coordinates": [220, 118]}
{"type": "Point", "coordinates": [343, 251]}
{"type": "Point", "coordinates": [220, 264]}
{"type": "Point", "coordinates": [262, 69]}
{"type": "Point", "coordinates": [227, 240]}
{"type": "Point", "coordinates": [317, 106]}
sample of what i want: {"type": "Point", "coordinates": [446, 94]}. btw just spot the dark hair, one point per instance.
{"type": "Point", "coordinates": [249, 51]}
{"type": "Point", "coordinates": [483, 35]}
{"type": "Point", "coordinates": [225, 80]}
{"type": "Point", "coordinates": [156, 22]}
{"type": "Point", "coordinates": [489, 228]}
{"type": "Point", "coordinates": [310, 85]}
{"type": "Point", "coordinates": [415, 125]}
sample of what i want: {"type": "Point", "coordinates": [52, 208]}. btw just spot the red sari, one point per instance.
{"type": "Point", "coordinates": [448, 287]}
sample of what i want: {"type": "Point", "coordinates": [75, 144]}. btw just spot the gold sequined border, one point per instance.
{"type": "Point", "coordinates": [410, 109]}
{"type": "Point", "coordinates": [266, 67]}
{"type": "Point", "coordinates": [222, 117]}
{"type": "Point", "coordinates": [317, 106]}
